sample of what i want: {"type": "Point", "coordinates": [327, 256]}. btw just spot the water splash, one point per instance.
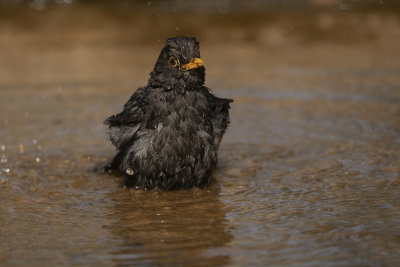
{"type": "Point", "coordinates": [129, 171]}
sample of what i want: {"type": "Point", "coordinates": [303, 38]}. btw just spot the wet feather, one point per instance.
{"type": "Point", "coordinates": [168, 133]}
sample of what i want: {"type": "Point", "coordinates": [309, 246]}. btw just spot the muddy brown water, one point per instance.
{"type": "Point", "coordinates": [308, 173]}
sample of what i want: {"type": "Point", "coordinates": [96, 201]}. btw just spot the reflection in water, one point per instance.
{"type": "Point", "coordinates": [170, 228]}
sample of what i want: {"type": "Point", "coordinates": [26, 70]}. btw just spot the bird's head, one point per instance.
{"type": "Point", "coordinates": [179, 66]}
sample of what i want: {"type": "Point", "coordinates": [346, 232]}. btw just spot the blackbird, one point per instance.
{"type": "Point", "coordinates": [169, 131]}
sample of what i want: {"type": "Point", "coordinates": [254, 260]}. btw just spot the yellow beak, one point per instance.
{"type": "Point", "coordinates": [193, 64]}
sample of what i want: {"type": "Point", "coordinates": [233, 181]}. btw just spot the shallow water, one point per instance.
{"type": "Point", "coordinates": [308, 174]}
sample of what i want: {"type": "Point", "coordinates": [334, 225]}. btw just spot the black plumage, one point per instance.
{"type": "Point", "coordinates": [168, 133]}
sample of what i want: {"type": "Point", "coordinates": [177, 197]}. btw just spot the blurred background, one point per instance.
{"type": "Point", "coordinates": [308, 172]}
{"type": "Point", "coordinates": [73, 41]}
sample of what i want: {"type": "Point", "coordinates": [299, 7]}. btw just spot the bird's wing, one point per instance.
{"type": "Point", "coordinates": [124, 118]}
{"type": "Point", "coordinates": [219, 115]}
{"type": "Point", "coordinates": [133, 111]}
{"type": "Point", "coordinates": [124, 125]}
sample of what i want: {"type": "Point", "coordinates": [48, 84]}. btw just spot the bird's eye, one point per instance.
{"type": "Point", "coordinates": [173, 62]}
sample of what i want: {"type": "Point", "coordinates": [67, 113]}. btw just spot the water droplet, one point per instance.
{"type": "Point", "coordinates": [129, 171]}
{"type": "Point", "coordinates": [223, 6]}
{"type": "Point", "coordinates": [37, 159]}
{"type": "Point", "coordinates": [177, 28]}
{"type": "Point", "coordinates": [38, 4]}
{"type": "Point", "coordinates": [3, 147]}
{"type": "Point", "coordinates": [21, 148]}
{"type": "Point", "coordinates": [148, 3]}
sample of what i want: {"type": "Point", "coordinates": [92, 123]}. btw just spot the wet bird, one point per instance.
{"type": "Point", "coordinates": [169, 131]}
